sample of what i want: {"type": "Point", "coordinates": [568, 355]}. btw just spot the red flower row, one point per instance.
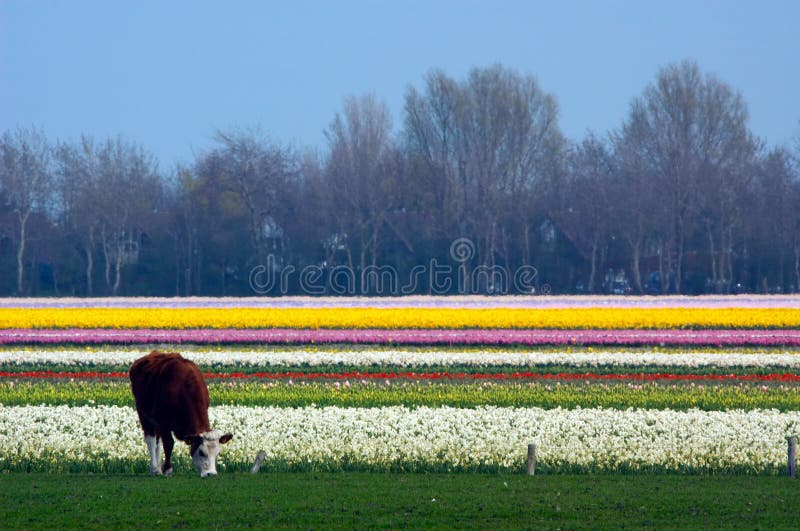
{"type": "Point", "coordinates": [356, 375]}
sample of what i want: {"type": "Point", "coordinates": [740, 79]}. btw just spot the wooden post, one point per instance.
{"type": "Point", "coordinates": [259, 461]}
{"type": "Point", "coordinates": [531, 459]}
{"type": "Point", "coordinates": [792, 456]}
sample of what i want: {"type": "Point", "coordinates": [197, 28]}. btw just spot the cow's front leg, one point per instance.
{"type": "Point", "coordinates": [155, 455]}
{"type": "Point", "coordinates": [169, 443]}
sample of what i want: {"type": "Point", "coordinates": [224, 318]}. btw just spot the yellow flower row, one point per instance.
{"type": "Point", "coordinates": [392, 318]}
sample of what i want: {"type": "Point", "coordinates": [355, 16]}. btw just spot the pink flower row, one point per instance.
{"type": "Point", "coordinates": [462, 301]}
{"type": "Point", "coordinates": [407, 337]}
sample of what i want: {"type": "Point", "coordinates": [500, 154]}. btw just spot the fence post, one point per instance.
{"type": "Point", "coordinates": [792, 456]}
{"type": "Point", "coordinates": [531, 459]}
{"type": "Point", "coordinates": [259, 461]}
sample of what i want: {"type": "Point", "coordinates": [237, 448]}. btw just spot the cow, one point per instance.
{"type": "Point", "coordinates": [171, 397]}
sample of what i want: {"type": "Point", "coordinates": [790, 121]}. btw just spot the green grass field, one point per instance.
{"type": "Point", "coordinates": [363, 500]}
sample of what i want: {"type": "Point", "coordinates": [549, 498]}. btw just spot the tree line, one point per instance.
{"type": "Point", "coordinates": [680, 198]}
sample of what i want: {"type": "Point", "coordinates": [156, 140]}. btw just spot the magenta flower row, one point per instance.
{"type": "Point", "coordinates": [407, 337]}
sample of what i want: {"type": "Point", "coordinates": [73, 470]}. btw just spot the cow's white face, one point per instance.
{"type": "Point", "coordinates": [204, 450]}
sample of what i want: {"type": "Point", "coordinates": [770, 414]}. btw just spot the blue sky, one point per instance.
{"type": "Point", "coordinates": [168, 74]}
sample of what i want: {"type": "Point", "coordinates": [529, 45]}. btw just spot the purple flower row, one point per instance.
{"type": "Point", "coordinates": [470, 301]}
{"type": "Point", "coordinates": [407, 337]}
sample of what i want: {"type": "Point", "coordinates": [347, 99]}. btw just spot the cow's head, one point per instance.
{"type": "Point", "coordinates": [204, 450]}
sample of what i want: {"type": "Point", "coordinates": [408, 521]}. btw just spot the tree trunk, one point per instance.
{"type": "Point", "coordinates": [374, 244]}
{"type": "Point", "coordinates": [713, 255]}
{"type": "Point", "coordinates": [106, 259]}
{"type": "Point", "coordinates": [117, 272]}
{"type": "Point", "coordinates": [222, 277]}
{"type": "Point", "coordinates": [662, 269]}
{"type": "Point", "coordinates": [192, 262]}
{"type": "Point", "coordinates": [89, 270]}
{"type": "Point", "coordinates": [362, 260]}
{"type": "Point", "coordinates": [728, 242]}
{"type": "Point", "coordinates": [637, 275]}
{"type": "Point", "coordinates": [23, 222]}
{"type": "Point", "coordinates": [177, 265]}
{"type": "Point", "coordinates": [593, 269]}
{"type": "Point", "coordinates": [527, 235]}
{"type": "Point", "coordinates": [492, 244]}
{"type": "Point", "coordinates": [88, 250]}
{"type": "Point", "coordinates": [679, 259]}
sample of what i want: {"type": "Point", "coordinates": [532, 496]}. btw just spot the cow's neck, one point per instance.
{"type": "Point", "coordinates": [195, 425]}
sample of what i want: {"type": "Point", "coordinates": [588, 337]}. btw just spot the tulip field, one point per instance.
{"type": "Point", "coordinates": [705, 385]}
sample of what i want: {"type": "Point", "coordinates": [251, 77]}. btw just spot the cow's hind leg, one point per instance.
{"type": "Point", "coordinates": [151, 440]}
{"type": "Point", "coordinates": [169, 443]}
{"type": "Point", "coordinates": [155, 458]}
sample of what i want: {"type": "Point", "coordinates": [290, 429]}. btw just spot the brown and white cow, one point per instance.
{"type": "Point", "coordinates": [172, 397]}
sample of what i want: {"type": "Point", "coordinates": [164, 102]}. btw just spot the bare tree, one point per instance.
{"type": "Point", "coordinates": [27, 179]}
{"type": "Point", "coordinates": [688, 134]}
{"type": "Point", "coordinates": [585, 214]}
{"type": "Point", "coordinates": [635, 196]}
{"type": "Point", "coordinates": [258, 172]}
{"type": "Point", "coordinates": [431, 137]}
{"type": "Point", "coordinates": [76, 171]}
{"type": "Point", "coordinates": [774, 205]}
{"type": "Point", "coordinates": [125, 170]}
{"type": "Point", "coordinates": [490, 145]}
{"type": "Point", "coordinates": [360, 174]}
{"type": "Point", "coordinates": [110, 192]}
{"type": "Point", "coordinates": [183, 228]}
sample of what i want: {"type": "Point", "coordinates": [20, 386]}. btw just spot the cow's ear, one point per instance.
{"type": "Point", "coordinates": [225, 438]}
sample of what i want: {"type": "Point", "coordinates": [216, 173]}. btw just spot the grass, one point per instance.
{"type": "Point", "coordinates": [364, 500]}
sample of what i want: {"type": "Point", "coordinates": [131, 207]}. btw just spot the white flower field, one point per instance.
{"type": "Point", "coordinates": [55, 438]}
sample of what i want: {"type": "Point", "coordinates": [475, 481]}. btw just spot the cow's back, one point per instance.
{"type": "Point", "coordinates": [170, 391]}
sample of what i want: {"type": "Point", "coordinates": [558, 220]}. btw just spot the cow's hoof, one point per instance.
{"type": "Point", "coordinates": [168, 472]}
{"type": "Point", "coordinates": [155, 472]}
